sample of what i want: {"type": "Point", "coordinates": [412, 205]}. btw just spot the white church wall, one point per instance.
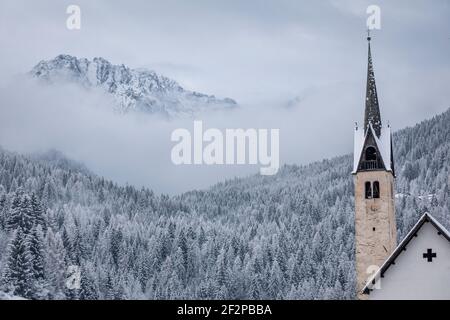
{"type": "Point", "coordinates": [412, 276]}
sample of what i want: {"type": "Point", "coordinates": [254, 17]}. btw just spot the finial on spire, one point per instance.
{"type": "Point", "coordinates": [368, 35]}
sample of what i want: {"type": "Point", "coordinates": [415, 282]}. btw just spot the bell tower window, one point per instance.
{"type": "Point", "coordinates": [372, 190]}
{"type": "Point", "coordinates": [376, 190]}
{"type": "Point", "coordinates": [371, 159]}
{"type": "Point", "coordinates": [368, 190]}
{"type": "Point", "coordinates": [371, 154]}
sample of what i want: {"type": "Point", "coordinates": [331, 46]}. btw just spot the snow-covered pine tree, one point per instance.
{"type": "Point", "coordinates": [18, 277]}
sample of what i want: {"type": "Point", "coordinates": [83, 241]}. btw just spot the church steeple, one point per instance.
{"type": "Point", "coordinates": [373, 169]}
{"type": "Point", "coordinates": [372, 111]}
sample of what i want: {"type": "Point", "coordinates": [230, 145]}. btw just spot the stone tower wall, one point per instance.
{"type": "Point", "coordinates": [375, 225]}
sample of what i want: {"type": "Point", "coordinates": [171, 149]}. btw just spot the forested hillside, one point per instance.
{"type": "Point", "coordinates": [289, 236]}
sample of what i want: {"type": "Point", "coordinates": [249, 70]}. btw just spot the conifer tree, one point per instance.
{"type": "Point", "coordinates": [37, 212]}
{"type": "Point", "coordinates": [18, 275]}
{"type": "Point", "coordinates": [54, 264]}
{"type": "Point", "coordinates": [88, 290]}
{"type": "Point", "coordinates": [36, 242]}
{"type": "Point", "coordinates": [13, 220]}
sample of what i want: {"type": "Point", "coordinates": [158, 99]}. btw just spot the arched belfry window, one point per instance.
{"type": "Point", "coordinates": [376, 190]}
{"type": "Point", "coordinates": [368, 190]}
{"type": "Point", "coordinates": [371, 154]}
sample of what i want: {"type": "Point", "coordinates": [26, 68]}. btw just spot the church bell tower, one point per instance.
{"type": "Point", "coordinates": [373, 171]}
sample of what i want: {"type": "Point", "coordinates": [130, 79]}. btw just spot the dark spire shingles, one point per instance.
{"type": "Point", "coordinates": [372, 112]}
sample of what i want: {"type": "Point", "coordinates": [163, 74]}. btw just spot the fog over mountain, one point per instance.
{"type": "Point", "coordinates": [132, 90]}
{"type": "Point", "coordinates": [299, 66]}
{"type": "Point", "coordinates": [135, 147]}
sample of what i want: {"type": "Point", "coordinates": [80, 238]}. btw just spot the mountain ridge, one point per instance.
{"type": "Point", "coordinates": [133, 89]}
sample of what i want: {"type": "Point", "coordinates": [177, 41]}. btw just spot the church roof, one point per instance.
{"type": "Point", "coordinates": [402, 247]}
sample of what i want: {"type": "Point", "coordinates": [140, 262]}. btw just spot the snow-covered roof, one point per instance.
{"type": "Point", "coordinates": [439, 226]}
{"type": "Point", "coordinates": [357, 147]}
{"type": "Point", "coordinates": [383, 143]}
{"type": "Point", "coordinates": [426, 217]}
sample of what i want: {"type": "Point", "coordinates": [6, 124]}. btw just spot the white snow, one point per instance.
{"type": "Point", "coordinates": [7, 296]}
{"type": "Point", "coordinates": [384, 145]}
{"type": "Point", "coordinates": [358, 146]}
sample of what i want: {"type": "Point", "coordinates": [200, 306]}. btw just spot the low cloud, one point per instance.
{"type": "Point", "coordinates": [135, 148]}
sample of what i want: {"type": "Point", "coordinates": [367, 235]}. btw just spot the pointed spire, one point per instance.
{"type": "Point", "coordinates": [372, 112]}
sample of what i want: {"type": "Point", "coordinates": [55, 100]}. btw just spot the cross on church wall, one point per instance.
{"type": "Point", "coordinates": [429, 255]}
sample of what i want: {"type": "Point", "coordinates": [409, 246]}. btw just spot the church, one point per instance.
{"type": "Point", "coordinates": [418, 267]}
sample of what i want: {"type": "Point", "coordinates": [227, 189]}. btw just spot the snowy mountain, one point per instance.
{"type": "Point", "coordinates": [132, 89]}
{"type": "Point", "coordinates": [288, 236]}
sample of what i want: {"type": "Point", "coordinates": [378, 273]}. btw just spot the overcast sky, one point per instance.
{"type": "Point", "coordinates": [263, 54]}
